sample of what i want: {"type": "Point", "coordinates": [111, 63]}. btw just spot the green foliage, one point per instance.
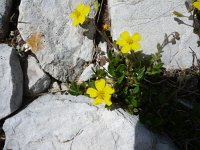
{"type": "Point", "coordinates": [129, 72]}
{"type": "Point", "coordinates": [198, 43]}
{"type": "Point", "coordinates": [80, 88]}
{"type": "Point", "coordinates": [77, 89]}
{"type": "Point", "coordinates": [99, 73]}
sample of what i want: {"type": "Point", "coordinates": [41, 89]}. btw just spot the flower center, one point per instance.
{"type": "Point", "coordinates": [101, 94]}
{"type": "Point", "coordinates": [78, 14]}
{"type": "Point", "coordinates": [130, 41]}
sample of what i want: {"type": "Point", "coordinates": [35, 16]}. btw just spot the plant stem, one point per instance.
{"type": "Point", "coordinates": [106, 38]}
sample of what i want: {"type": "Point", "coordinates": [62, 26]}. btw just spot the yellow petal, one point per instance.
{"type": "Point", "coordinates": [136, 37]}
{"type": "Point", "coordinates": [92, 92]}
{"type": "Point", "coordinates": [97, 101]}
{"type": "Point", "coordinates": [197, 5]}
{"type": "Point", "coordinates": [73, 15]}
{"type": "Point", "coordinates": [126, 48]}
{"type": "Point", "coordinates": [108, 89]}
{"type": "Point", "coordinates": [86, 10]}
{"type": "Point", "coordinates": [100, 84]}
{"type": "Point", "coordinates": [121, 42]}
{"type": "Point", "coordinates": [125, 35]}
{"type": "Point", "coordinates": [107, 99]}
{"type": "Point", "coordinates": [81, 19]}
{"type": "Point", "coordinates": [80, 7]}
{"type": "Point", "coordinates": [75, 22]}
{"type": "Point", "coordinates": [135, 46]}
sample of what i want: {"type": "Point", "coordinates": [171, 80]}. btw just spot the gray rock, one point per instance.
{"type": "Point", "coordinates": [5, 12]}
{"type": "Point", "coordinates": [67, 122]}
{"type": "Point", "coordinates": [152, 19]}
{"type": "Point", "coordinates": [62, 49]}
{"type": "Point", "coordinates": [36, 80]}
{"type": "Point", "coordinates": [11, 81]}
{"type": "Point", "coordinates": [64, 87]}
{"type": "Point", "coordinates": [55, 88]}
{"type": "Point", "coordinates": [87, 73]}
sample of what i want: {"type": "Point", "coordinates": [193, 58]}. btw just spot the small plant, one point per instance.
{"type": "Point", "coordinates": [127, 70]}
{"type": "Point", "coordinates": [140, 84]}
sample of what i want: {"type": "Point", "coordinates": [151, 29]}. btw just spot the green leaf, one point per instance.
{"type": "Point", "coordinates": [135, 110]}
{"type": "Point", "coordinates": [82, 87]}
{"type": "Point", "coordinates": [92, 84]}
{"type": "Point", "coordinates": [134, 102]}
{"type": "Point", "coordinates": [121, 68]}
{"type": "Point", "coordinates": [111, 70]}
{"type": "Point", "coordinates": [120, 79]}
{"type": "Point", "coordinates": [178, 14]}
{"type": "Point", "coordinates": [198, 43]}
{"type": "Point", "coordinates": [125, 90]}
{"type": "Point", "coordinates": [140, 73]}
{"type": "Point", "coordinates": [109, 54]}
{"type": "Point", "coordinates": [96, 5]}
{"type": "Point", "coordinates": [74, 89]}
{"type": "Point", "coordinates": [99, 73]}
{"type": "Point", "coordinates": [159, 47]}
{"type": "Point", "coordinates": [136, 90]}
{"type": "Point", "coordinates": [116, 60]}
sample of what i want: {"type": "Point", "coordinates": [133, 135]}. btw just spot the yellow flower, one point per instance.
{"type": "Point", "coordinates": [105, 26]}
{"type": "Point", "coordinates": [128, 42]}
{"type": "Point", "coordinates": [102, 92]}
{"type": "Point", "coordinates": [79, 14]}
{"type": "Point", "coordinates": [197, 4]}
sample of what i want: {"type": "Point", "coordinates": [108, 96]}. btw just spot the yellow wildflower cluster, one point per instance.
{"type": "Point", "coordinates": [103, 91]}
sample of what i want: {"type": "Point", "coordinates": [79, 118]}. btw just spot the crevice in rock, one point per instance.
{"type": "Point", "coordinates": [78, 133]}
{"type": "Point", "coordinates": [15, 15]}
{"type": "Point", "coordinates": [13, 21]}
{"type": "Point", "coordinates": [101, 19]}
{"type": "Point", "coordinates": [102, 35]}
{"type": "Point", "coordinates": [2, 138]}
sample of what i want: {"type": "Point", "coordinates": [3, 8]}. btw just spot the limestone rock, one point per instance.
{"type": "Point", "coordinates": [153, 19]}
{"type": "Point", "coordinates": [5, 12]}
{"type": "Point", "coordinates": [64, 87]}
{"type": "Point", "coordinates": [67, 122]}
{"type": "Point", "coordinates": [61, 48]}
{"type": "Point", "coordinates": [36, 80]}
{"type": "Point", "coordinates": [87, 73]}
{"type": "Point", "coordinates": [11, 81]}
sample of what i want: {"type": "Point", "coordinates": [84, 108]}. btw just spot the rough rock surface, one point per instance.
{"type": "Point", "coordinates": [66, 122]}
{"type": "Point", "coordinates": [61, 48]}
{"type": "Point", "coordinates": [5, 10]}
{"type": "Point", "coordinates": [11, 81]}
{"type": "Point", "coordinates": [87, 73]}
{"type": "Point", "coordinates": [55, 88]}
{"type": "Point", "coordinates": [152, 19]}
{"type": "Point", "coordinates": [35, 79]}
